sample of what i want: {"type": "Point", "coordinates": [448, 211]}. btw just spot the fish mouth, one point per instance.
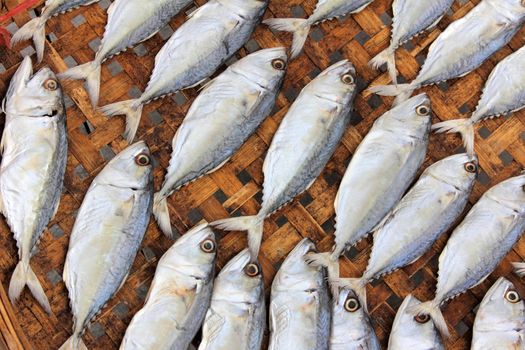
{"type": "Point", "coordinates": [52, 114]}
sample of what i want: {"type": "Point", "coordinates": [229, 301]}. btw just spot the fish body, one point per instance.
{"type": "Point", "coordinates": [464, 45]}
{"type": "Point", "coordinates": [498, 220]}
{"type": "Point", "coordinates": [411, 333]}
{"type": "Point", "coordinates": [428, 210]}
{"type": "Point", "coordinates": [300, 304]}
{"type": "Point", "coordinates": [351, 326]}
{"type": "Point", "coordinates": [107, 234]}
{"type": "Point", "coordinates": [222, 117]}
{"type": "Point", "coordinates": [34, 155]}
{"type": "Point", "coordinates": [504, 93]}
{"type": "Point", "coordinates": [324, 11]}
{"type": "Point", "coordinates": [237, 315]}
{"type": "Point", "coordinates": [129, 23]}
{"type": "Point", "coordinates": [411, 18]}
{"type": "Point", "coordinates": [211, 35]}
{"type": "Point", "coordinates": [179, 295]}
{"type": "Point", "coordinates": [382, 168]}
{"type": "Point", "coordinates": [36, 28]}
{"type": "Point", "coordinates": [500, 319]}
{"type": "Point", "coordinates": [301, 147]}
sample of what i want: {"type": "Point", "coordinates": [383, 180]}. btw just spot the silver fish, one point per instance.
{"type": "Point", "coordinates": [300, 304]}
{"type": "Point", "coordinates": [381, 169]}
{"type": "Point", "coordinates": [212, 34]}
{"type": "Point", "coordinates": [107, 234]}
{"type": "Point", "coordinates": [464, 45]}
{"type": "Point", "coordinates": [500, 319]}
{"type": "Point", "coordinates": [428, 210]}
{"type": "Point", "coordinates": [179, 295]}
{"type": "Point", "coordinates": [324, 11]}
{"type": "Point", "coordinates": [414, 333]}
{"type": "Point", "coordinates": [411, 18]}
{"type": "Point", "coordinates": [237, 315]}
{"type": "Point", "coordinates": [351, 326]}
{"type": "Point", "coordinates": [36, 28]}
{"type": "Point", "coordinates": [504, 93]}
{"type": "Point", "coordinates": [301, 147]}
{"type": "Point", "coordinates": [478, 244]}
{"type": "Point", "coordinates": [129, 23]}
{"type": "Point", "coordinates": [220, 120]}
{"type": "Point", "coordinates": [34, 155]}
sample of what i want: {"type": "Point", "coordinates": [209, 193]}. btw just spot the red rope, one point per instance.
{"type": "Point", "coordinates": [23, 6]}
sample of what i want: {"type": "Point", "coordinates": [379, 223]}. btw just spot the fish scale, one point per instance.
{"type": "Point", "coordinates": [482, 32]}
{"type": "Point", "coordinates": [498, 219]}
{"type": "Point", "coordinates": [301, 147]}
{"type": "Point", "coordinates": [129, 23]}
{"type": "Point", "coordinates": [34, 156]}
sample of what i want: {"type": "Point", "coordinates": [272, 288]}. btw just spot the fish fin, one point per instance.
{"type": "Point", "coordinates": [162, 215]}
{"type": "Point", "coordinates": [90, 72]}
{"type": "Point", "coordinates": [35, 29]}
{"type": "Point", "coordinates": [387, 56]}
{"type": "Point", "coordinates": [519, 268]}
{"type": "Point", "coordinates": [324, 260]}
{"type": "Point", "coordinates": [434, 25]}
{"type": "Point", "coordinates": [23, 276]}
{"type": "Point", "coordinates": [432, 309]}
{"type": "Point", "coordinates": [74, 343]}
{"type": "Point", "coordinates": [298, 26]}
{"type": "Point", "coordinates": [132, 109]}
{"type": "Point", "coordinates": [463, 126]}
{"type": "Point", "coordinates": [253, 224]}
{"type": "Point", "coordinates": [358, 285]}
{"type": "Point", "coordinates": [401, 91]}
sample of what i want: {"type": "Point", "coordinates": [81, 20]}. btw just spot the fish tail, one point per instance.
{"type": "Point", "coordinates": [358, 285]}
{"type": "Point", "coordinates": [519, 268]}
{"type": "Point", "coordinates": [36, 30]}
{"type": "Point", "coordinates": [387, 56]}
{"type": "Point", "coordinates": [74, 343]}
{"type": "Point", "coordinates": [22, 276]}
{"type": "Point", "coordinates": [90, 72]}
{"type": "Point", "coordinates": [161, 213]}
{"type": "Point", "coordinates": [132, 109]}
{"type": "Point", "coordinates": [463, 126]}
{"type": "Point", "coordinates": [325, 260]}
{"type": "Point", "coordinates": [253, 224]}
{"type": "Point", "coordinates": [298, 26]}
{"type": "Point", "coordinates": [432, 309]}
{"type": "Point", "coordinates": [401, 91]}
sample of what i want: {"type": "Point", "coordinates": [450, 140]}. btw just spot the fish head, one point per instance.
{"type": "Point", "coordinates": [413, 116]}
{"type": "Point", "coordinates": [459, 170]}
{"type": "Point", "coordinates": [410, 332]}
{"type": "Point", "coordinates": [514, 10]}
{"type": "Point", "coordinates": [336, 83]}
{"type": "Point", "coordinates": [502, 309]}
{"type": "Point", "coordinates": [246, 9]}
{"type": "Point", "coordinates": [38, 95]}
{"type": "Point", "coordinates": [264, 67]}
{"type": "Point", "coordinates": [510, 192]}
{"type": "Point", "coordinates": [240, 280]}
{"type": "Point", "coordinates": [195, 249]}
{"type": "Point", "coordinates": [131, 168]}
{"type": "Point", "coordinates": [350, 320]}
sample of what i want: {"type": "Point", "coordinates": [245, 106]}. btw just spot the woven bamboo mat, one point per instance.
{"type": "Point", "coordinates": [236, 188]}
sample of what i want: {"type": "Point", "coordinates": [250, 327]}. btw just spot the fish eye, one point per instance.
{"type": "Point", "coordinates": [471, 167]}
{"type": "Point", "coordinates": [143, 159]}
{"type": "Point", "coordinates": [423, 110]}
{"type": "Point", "coordinates": [252, 269]}
{"type": "Point", "coordinates": [352, 304]}
{"type": "Point", "coordinates": [512, 296]}
{"type": "Point", "coordinates": [208, 246]}
{"type": "Point", "coordinates": [347, 79]}
{"type": "Point", "coordinates": [51, 84]}
{"type": "Point", "coordinates": [278, 64]}
{"type": "Point", "coordinates": [422, 318]}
